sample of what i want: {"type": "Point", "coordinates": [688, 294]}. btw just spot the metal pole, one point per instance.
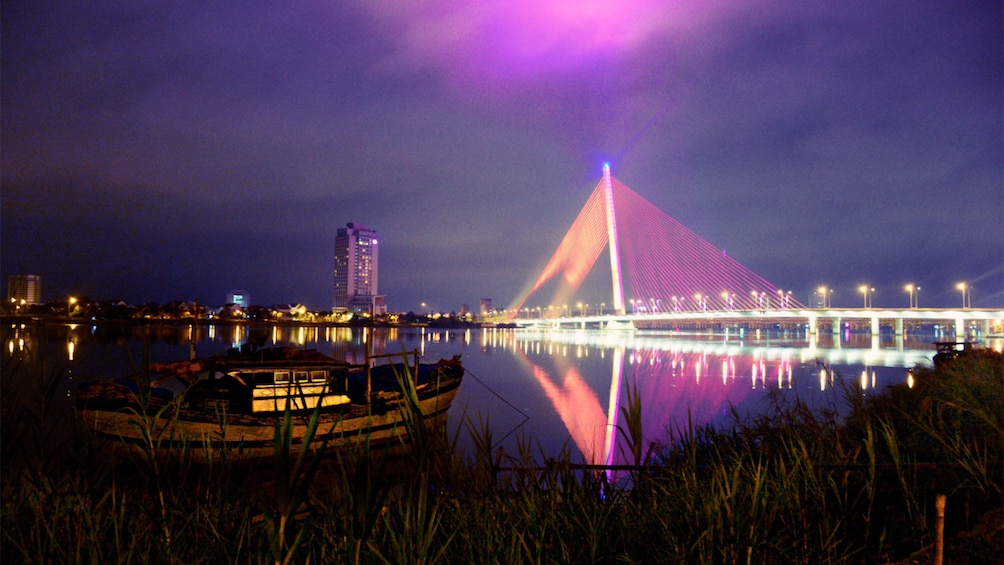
{"type": "Point", "coordinates": [939, 529]}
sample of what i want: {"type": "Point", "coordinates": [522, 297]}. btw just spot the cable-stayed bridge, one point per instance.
{"type": "Point", "coordinates": [675, 278]}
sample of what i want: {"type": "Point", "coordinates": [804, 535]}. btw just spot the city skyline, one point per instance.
{"type": "Point", "coordinates": [177, 151]}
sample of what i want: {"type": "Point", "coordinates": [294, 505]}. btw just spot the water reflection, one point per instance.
{"type": "Point", "coordinates": [570, 383]}
{"type": "Point", "coordinates": [696, 379]}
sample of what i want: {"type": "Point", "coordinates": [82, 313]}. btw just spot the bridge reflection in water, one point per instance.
{"type": "Point", "coordinates": [695, 379]}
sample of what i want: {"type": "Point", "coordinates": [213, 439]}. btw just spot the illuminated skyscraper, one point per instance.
{"type": "Point", "coordinates": [356, 261]}
{"type": "Point", "coordinates": [239, 298]}
{"type": "Point", "coordinates": [24, 289]}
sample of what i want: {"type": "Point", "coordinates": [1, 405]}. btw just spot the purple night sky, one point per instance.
{"type": "Point", "coordinates": [157, 151]}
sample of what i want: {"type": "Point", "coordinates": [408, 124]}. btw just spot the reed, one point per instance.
{"type": "Point", "coordinates": [294, 474]}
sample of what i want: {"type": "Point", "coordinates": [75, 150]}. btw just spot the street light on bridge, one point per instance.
{"type": "Point", "coordinates": [864, 289]}
{"type": "Point", "coordinates": [825, 292]}
{"type": "Point", "coordinates": [963, 287]}
{"type": "Point", "coordinates": [914, 292]}
{"type": "Point", "coordinates": [732, 301]}
{"type": "Point", "coordinates": [702, 301]}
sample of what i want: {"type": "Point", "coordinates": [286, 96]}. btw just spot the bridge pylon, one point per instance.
{"type": "Point", "coordinates": [669, 267]}
{"type": "Point", "coordinates": [615, 260]}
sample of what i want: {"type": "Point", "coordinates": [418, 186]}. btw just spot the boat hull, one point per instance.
{"type": "Point", "coordinates": [203, 437]}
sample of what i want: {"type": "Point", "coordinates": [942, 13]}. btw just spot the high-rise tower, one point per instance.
{"type": "Point", "coordinates": [356, 261]}
{"type": "Point", "coordinates": [24, 289]}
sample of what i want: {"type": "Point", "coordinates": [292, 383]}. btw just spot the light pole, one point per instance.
{"type": "Point", "coordinates": [825, 293]}
{"type": "Point", "coordinates": [602, 304]}
{"type": "Point", "coordinates": [864, 289]}
{"type": "Point", "coordinates": [914, 292]}
{"type": "Point", "coordinates": [963, 287]}
{"type": "Point", "coordinates": [702, 301]}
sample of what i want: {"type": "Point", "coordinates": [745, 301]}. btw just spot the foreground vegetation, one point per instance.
{"type": "Point", "coordinates": [791, 486]}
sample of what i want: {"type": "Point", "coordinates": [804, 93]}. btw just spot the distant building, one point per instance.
{"type": "Point", "coordinates": [356, 269]}
{"type": "Point", "coordinates": [24, 289]}
{"type": "Point", "coordinates": [486, 307]}
{"type": "Point", "coordinates": [239, 298]}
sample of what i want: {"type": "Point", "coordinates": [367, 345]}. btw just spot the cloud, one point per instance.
{"type": "Point", "coordinates": [505, 44]}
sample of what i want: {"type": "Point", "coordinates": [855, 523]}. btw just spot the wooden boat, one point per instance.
{"type": "Point", "coordinates": [229, 405]}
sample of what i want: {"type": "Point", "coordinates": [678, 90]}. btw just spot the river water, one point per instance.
{"type": "Point", "coordinates": [562, 389]}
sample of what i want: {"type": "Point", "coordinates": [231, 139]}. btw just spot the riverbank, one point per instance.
{"type": "Point", "coordinates": [787, 486]}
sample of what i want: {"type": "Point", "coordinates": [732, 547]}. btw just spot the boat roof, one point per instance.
{"type": "Point", "coordinates": [278, 357]}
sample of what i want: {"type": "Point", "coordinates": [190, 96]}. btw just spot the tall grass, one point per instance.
{"type": "Point", "coordinates": [790, 486]}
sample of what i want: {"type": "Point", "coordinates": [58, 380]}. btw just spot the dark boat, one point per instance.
{"type": "Point", "coordinates": [950, 350]}
{"type": "Point", "coordinates": [230, 404]}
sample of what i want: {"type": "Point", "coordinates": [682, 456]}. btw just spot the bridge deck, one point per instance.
{"type": "Point", "coordinates": [835, 317]}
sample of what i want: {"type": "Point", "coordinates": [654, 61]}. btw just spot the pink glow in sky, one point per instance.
{"type": "Point", "coordinates": [484, 42]}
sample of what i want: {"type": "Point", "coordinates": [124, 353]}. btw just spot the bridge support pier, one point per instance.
{"type": "Point", "coordinates": [618, 325]}
{"type": "Point", "coordinates": [876, 327]}
{"type": "Point", "coordinates": [960, 328]}
{"type": "Point", "coordinates": [812, 325]}
{"type": "Point", "coordinates": [985, 327]}
{"type": "Point", "coordinates": [835, 326]}
{"type": "Point", "coordinates": [899, 326]}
